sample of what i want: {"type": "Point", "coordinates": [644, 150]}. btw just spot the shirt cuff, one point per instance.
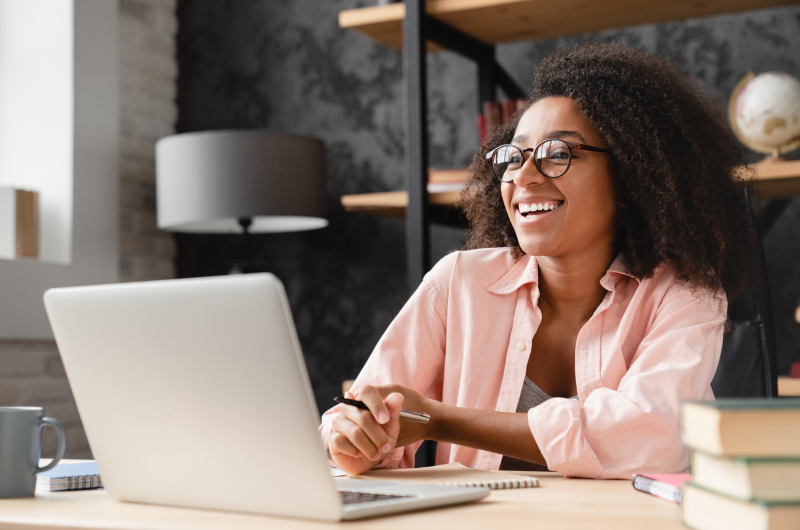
{"type": "Point", "coordinates": [557, 427]}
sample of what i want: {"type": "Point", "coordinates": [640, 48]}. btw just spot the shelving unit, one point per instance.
{"type": "Point", "coordinates": [472, 28]}
{"type": "Point", "coordinates": [498, 21]}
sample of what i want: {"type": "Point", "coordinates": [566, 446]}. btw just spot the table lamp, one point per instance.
{"type": "Point", "coordinates": [240, 182]}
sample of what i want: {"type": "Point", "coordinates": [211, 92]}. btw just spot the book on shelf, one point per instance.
{"type": "Point", "coordinates": [743, 427]}
{"type": "Point", "coordinates": [702, 509]}
{"type": "Point", "coordinates": [69, 477]}
{"type": "Point", "coordinates": [508, 108]}
{"type": "Point", "coordinates": [766, 479]}
{"type": "Point", "coordinates": [663, 486]}
{"type": "Point", "coordinates": [492, 115]}
{"type": "Point", "coordinates": [442, 180]}
{"type": "Point", "coordinates": [495, 113]}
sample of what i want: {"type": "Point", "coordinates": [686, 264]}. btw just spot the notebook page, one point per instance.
{"type": "Point", "coordinates": [454, 474]}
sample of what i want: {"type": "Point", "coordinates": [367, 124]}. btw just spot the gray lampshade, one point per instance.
{"type": "Point", "coordinates": [206, 181]}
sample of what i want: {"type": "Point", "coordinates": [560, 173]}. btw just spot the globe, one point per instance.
{"type": "Point", "coordinates": [764, 111]}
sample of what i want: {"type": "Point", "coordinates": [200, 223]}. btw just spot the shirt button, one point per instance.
{"type": "Point", "coordinates": [616, 305]}
{"type": "Point", "coordinates": [520, 346]}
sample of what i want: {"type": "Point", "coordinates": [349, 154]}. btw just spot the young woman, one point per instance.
{"type": "Point", "coordinates": [608, 228]}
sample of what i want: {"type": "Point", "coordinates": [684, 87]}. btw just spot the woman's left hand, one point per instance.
{"type": "Point", "coordinates": [410, 431]}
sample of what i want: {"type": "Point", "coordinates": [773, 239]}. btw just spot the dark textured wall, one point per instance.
{"type": "Point", "coordinates": [286, 66]}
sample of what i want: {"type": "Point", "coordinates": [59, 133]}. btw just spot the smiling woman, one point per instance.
{"type": "Point", "coordinates": [674, 163]}
{"type": "Point", "coordinates": [608, 229]}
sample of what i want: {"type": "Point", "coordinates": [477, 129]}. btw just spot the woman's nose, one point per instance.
{"type": "Point", "coordinates": [528, 174]}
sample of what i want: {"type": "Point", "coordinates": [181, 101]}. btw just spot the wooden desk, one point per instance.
{"type": "Point", "coordinates": [558, 503]}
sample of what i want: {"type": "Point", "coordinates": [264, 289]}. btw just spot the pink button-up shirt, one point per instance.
{"type": "Point", "coordinates": [464, 338]}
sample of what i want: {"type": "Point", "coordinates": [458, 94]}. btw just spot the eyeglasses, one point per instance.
{"type": "Point", "coordinates": [552, 158]}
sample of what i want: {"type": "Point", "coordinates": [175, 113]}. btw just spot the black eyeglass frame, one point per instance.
{"type": "Point", "coordinates": [570, 145]}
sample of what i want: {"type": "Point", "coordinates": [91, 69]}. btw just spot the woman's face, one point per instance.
{"type": "Point", "coordinates": [584, 196]}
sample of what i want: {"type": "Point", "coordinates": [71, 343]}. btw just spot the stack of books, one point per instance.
{"type": "Point", "coordinates": [496, 113]}
{"type": "Point", "coordinates": [745, 457]}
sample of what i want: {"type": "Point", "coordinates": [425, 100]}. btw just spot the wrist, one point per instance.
{"type": "Point", "coordinates": [440, 417]}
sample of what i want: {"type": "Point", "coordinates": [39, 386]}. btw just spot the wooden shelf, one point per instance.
{"type": "Point", "coordinates": [393, 203]}
{"type": "Point", "coordinates": [774, 179]}
{"type": "Point", "coordinates": [778, 179]}
{"type": "Point", "coordinates": [497, 21]}
{"type": "Point", "coordinates": [788, 386]}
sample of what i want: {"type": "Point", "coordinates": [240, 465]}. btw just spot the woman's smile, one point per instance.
{"type": "Point", "coordinates": [534, 210]}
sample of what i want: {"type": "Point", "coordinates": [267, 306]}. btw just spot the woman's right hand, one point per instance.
{"type": "Point", "coordinates": [362, 438]}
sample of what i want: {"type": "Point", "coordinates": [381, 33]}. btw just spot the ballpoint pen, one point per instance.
{"type": "Point", "coordinates": [410, 415]}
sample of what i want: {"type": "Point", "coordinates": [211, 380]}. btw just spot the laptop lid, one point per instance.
{"type": "Point", "coordinates": [195, 393]}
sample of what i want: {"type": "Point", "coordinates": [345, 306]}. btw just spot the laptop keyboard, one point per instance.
{"type": "Point", "coordinates": [356, 497]}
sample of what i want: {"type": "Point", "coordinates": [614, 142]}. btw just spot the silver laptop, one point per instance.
{"type": "Point", "coordinates": [194, 393]}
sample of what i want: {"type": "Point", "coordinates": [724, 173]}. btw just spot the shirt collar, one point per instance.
{"type": "Point", "coordinates": [618, 268]}
{"type": "Point", "coordinates": [526, 270]}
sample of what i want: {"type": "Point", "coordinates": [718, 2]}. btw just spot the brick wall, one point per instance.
{"type": "Point", "coordinates": [31, 373]}
{"type": "Point", "coordinates": [148, 71]}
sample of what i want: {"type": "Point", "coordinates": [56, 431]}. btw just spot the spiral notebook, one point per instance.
{"type": "Point", "coordinates": [69, 477]}
{"type": "Point", "coordinates": [453, 474]}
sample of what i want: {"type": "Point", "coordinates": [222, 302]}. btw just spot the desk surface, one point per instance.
{"type": "Point", "coordinates": [558, 503]}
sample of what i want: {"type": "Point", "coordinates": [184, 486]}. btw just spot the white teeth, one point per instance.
{"type": "Point", "coordinates": [538, 207]}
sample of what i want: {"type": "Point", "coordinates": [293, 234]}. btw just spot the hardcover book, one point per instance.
{"type": "Point", "coordinates": [746, 427]}
{"type": "Point", "coordinates": [766, 479]}
{"type": "Point", "coordinates": [702, 509]}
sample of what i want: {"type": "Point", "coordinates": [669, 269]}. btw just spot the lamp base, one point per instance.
{"type": "Point", "coordinates": [246, 265]}
{"type": "Point", "coordinates": [245, 268]}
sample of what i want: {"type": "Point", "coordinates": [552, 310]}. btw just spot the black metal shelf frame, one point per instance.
{"type": "Point", "coordinates": [418, 28]}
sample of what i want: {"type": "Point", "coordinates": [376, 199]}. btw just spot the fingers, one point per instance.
{"type": "Point", "coordinates": [338, 443]}
{"type": "Point", "coordinates": [372, 398]}
{"type": "Point", "coordinates": [363, 432]}
{"type": "Point", "coordinates": [394, 402]}
{"type": "Point", "coordinates": [356, 437]}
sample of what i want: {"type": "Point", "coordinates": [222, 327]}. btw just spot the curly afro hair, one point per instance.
{"type": "Point", "coordinates": [678, 172]}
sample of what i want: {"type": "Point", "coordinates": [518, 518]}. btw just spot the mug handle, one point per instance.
{"type": "Point", "coordinates": [62, 442]}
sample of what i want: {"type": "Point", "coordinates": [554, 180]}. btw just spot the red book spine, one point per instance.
{"type": "Point", "coordinates": [481, 129]}
{"type": "Point", "coordinates": [509, 108]}
{"type": "Point", "coordinates": [794, 371]}
{"type": "Point", "coordinates": [492, 115]}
